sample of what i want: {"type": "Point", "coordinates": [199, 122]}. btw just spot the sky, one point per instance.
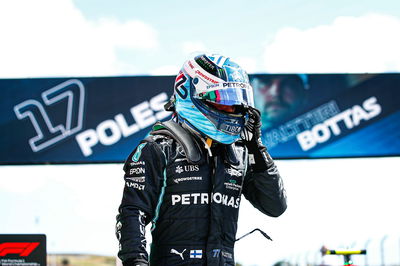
{"type": "Point", "coordinates": [59, 38]}
{"type": "Point", "coordinates": [95, 38]}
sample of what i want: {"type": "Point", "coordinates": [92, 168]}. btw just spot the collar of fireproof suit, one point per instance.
{"type": "Point", "coordinates": [183, 137]}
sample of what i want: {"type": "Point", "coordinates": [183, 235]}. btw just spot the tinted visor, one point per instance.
{"type": "Point", "coordinates": [225, 93]}
{"type": "Point", "coordinates": [231, 109]}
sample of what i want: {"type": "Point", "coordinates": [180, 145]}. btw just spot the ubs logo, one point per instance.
{"type": "Point", "coordinates": [187, 168]}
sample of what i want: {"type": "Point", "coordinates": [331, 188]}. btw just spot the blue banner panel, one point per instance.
{"type": "Point", "coordinates": [329, 115]}
{"type": "Point", "coordinates": [85, 120]}
{"type": "Point", "coordinates": [101, 119]}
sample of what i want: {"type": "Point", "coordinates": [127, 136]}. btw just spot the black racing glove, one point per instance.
{"type": "Point", "coordinates": [135, 262]}
{"type": "Point", "coordinates": [251, 135]}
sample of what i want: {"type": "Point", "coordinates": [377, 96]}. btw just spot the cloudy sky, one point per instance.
{"type": "Point", "coordinates": [52, 38]}
{"type": "Point", "coordinates": [45, 38]}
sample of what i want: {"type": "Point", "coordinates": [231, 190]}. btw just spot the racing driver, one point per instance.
{"type": "Point", "coordinates": [187, 177]}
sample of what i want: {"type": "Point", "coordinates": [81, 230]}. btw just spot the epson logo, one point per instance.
{"type": "Point", "coordinates": [111, 131]}
{"type": "Point", "coordinates": [137, 170]}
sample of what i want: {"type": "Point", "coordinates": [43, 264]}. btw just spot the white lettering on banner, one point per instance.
{"type": "Point", "coordinates": [48, 131]}
{"type": "Point", "coordinates": [306, 121]}
{"type": "Point", "coordinates": [112, 127]}
{"type": "Point", "coordinates": [143, 115]}
{"type": "Point", "coordinates": [351, 118]}
{"type": "Point", "coordinates": [157, 104]}
{"type": "Point", "coordinates": [126, 129]}
{"type": "Point", "coordinates": [219, 198]}
{"type": "Point", "coordinates": [111, 131]}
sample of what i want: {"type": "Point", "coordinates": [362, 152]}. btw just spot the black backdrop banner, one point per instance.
{"type": "Point", "coordinates": [101, 119]}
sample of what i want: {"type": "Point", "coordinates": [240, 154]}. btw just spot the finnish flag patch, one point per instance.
{"type": "Point", "coordinates": [196, 254]}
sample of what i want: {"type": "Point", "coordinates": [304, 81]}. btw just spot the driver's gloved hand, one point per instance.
{"type": "Point", "coordinates": [260, 160]}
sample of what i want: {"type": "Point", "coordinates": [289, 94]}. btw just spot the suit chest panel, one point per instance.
{"type": "Point", "coordinates": [213, 176]}
{"type": "Point", "coordinates": [183, 176]}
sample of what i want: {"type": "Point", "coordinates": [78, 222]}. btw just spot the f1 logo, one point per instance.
{"type": "Point", "coordinates": [21, 248]}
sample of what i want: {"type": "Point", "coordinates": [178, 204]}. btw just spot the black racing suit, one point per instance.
{"type": "Point", "coordinates": [193, 207]}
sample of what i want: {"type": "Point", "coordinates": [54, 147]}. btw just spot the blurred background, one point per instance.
{"type": "Point", "coordinates": [83, 81]}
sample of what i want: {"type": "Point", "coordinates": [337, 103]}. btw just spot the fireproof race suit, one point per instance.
{"type": "Point", "coordinates": [192, 196]}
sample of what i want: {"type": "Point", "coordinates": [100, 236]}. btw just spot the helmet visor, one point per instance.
{"type": "Point", "coordinates": [225, 93]}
